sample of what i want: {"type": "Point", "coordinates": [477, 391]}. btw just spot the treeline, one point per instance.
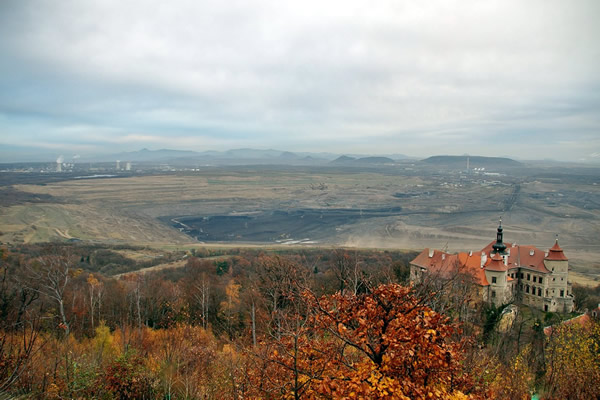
{"type": "Point", "coordinates": [250, 324]}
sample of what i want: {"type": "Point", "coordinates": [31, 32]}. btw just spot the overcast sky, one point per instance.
{"type": "Point", "coordinates": [518, 78]}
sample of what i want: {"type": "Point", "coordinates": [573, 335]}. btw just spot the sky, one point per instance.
{"type": "Point", "coordinates": [497, 78]}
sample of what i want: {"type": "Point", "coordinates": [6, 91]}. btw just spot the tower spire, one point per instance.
{"type": "Point", "coordinates": [499, 246]}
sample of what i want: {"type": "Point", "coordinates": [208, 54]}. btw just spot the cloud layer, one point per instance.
{"type": "Point", "coordinates": [482, 77]}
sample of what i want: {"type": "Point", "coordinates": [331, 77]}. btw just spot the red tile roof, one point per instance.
{"type": "Point", "coordinates": [448, 265]}
{"type": "Point", "coordinates": [472, 265]}
{"type": "Point", "coordinates": [440, 262]}
{"type": "Point", "coordinates": [496, 263]}
{"type": "Point", "coordinates": [556, 253]}
{"type": "Point", "coordinates": [522, 256]}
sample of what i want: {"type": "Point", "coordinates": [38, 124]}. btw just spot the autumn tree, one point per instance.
{"type": "Point", "coordinates": [573, 361]}
{"type": "Point", "coordinates": [19, 323]}
{"type": "Point", "coordinates": [382, 344]}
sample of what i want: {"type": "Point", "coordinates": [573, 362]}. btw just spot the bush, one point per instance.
{"type": "Point", "coordinates": [127, 378]}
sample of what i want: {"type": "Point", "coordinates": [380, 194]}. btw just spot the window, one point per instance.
{"type": "Point", "coordinates": [493, 279]}
{"type": "Point", "coordinates": [534, 279]}
{"type": "Point", "coordinates": [528, 277]}
{"type": "Point", "coordinates": [540, 292]}
{"type": "Point", "coordinates": [540, 280]}
{"type": "Point", "coordinates": [562, 293]}
{"type": "Point", "coordinates": [493, 293]}
{"type": "Point", "coordinates": [527, 289]}
{"type": "Point", "coordinates": [521, 275]}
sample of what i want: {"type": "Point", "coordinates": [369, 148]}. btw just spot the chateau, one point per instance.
{"type": "Point", "coordinates": [505, 273]}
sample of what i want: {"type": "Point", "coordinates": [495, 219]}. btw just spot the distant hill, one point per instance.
{"type": "Point", "coordinates": [351, 161]}
{"type": "Point", "coordinates": [374, 160]}
{"type": "Point", "coordinates": [343, 160]}
{"type": "Point", "coordinates": [474, 161]}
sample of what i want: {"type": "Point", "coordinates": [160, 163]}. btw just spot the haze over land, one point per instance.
{"type": "Point", "coordinates": [371, 202]}
{"type": "Point", "coordinates": [494, 78]}
{"type": "Point", "coordinates": [208, 199]}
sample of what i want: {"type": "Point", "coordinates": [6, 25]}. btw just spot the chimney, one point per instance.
{"type": "Point", "coordinates": [531, 252]}
{"type": "Point", "coordinates": [431, 253]}
{"type": "Point", "coordinates": [483, 259]}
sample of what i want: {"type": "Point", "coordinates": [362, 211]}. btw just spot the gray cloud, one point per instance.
{"type": "Point", "coordinates": [397, 76]}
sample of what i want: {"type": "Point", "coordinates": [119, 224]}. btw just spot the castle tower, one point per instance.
{"type": "Point", "coordinates": [559, 287]}
{"type": "Point", "coordinates": [499, 247]}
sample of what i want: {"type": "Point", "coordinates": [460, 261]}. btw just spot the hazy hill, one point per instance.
{"type": "Point", "coordinates": [343, 160]}
{"type": "Point", "coordinates": [350, 161]}
{"type": "Point", "coordinates": [374, 160]}
{"type": "Point", "coordinates": [474, 161]}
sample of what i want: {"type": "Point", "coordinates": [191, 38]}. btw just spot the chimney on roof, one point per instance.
{"type": "Point", "coordinates": [443, 256]}
{"type": "Point", "coordinates": [483, 259]}
{"type": "Point", "coordinates": [531, 252]}
{"type": "Point", "coordinates": [470, 253]}
{"type": "Point", "coordinates": [431, 253]}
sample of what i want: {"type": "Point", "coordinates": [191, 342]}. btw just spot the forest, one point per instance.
{"type": "Point", "coordinates": [257, 324]}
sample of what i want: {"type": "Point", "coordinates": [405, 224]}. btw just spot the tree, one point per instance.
{"type": "Point", "coordinates": [19, 324]}
{"type": "Point", "coordinates": [50, 275]}
{"type": "Point", "coordinates": [382, 344]}
{"type": "Point", "coordinates": [95, 292]}
{"type": "Point", "coordinates": [573, 361]}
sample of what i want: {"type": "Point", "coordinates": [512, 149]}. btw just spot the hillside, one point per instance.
{"type": "Point", "coordinates": [474, 161]}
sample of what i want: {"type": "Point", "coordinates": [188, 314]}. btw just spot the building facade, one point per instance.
{"type": "Point", "coordinates": [505, 273]}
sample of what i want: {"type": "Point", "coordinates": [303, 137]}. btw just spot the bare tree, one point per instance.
{"type": "Point", "coordinates": [201, 296]}
{"type": "Point", "coordinates": [50, 276]}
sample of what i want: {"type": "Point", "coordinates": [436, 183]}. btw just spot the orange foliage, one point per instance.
{"type": "Point", "coordinates": [384, 344]}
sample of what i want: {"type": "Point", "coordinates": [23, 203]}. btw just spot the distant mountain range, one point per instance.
{"type": "Point", "coordinates": [229, 157]}
{"type": "Point", "coordinates": [474, 161]}
{"type": "Point", "coordinates": [246, 156]}
{"type": "Point", "coordinates": [345, 160]}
